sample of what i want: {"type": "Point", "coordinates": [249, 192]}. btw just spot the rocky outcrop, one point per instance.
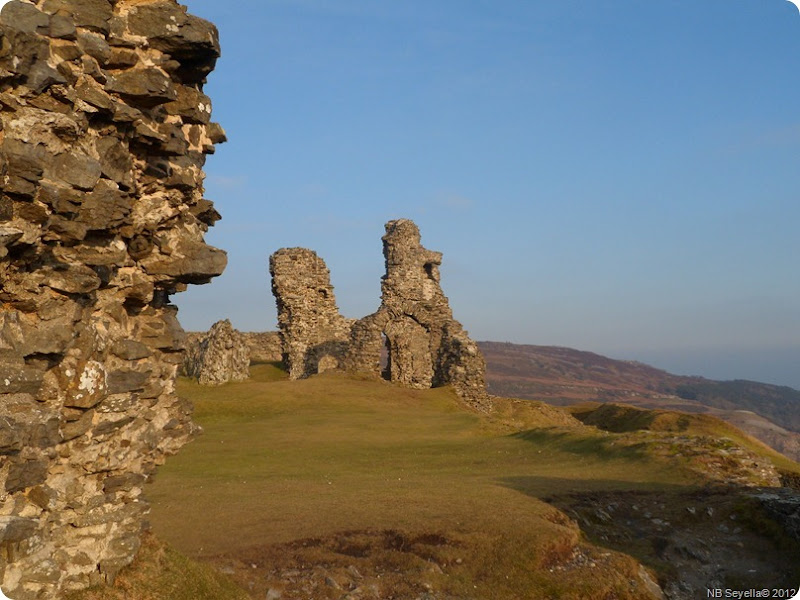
{"type": "Point", "coordinates": [707, 537]}
{"type": "Point", "coordinates": [414, 326]}
{"type": "Point", "coordinates": [783, 506]}
{"type": "Point", "coordinates": [220, 356]}
{"type": "Point", "coordinates": [104, 130]}
{"type": "Point", "coordinates": [314, 336]}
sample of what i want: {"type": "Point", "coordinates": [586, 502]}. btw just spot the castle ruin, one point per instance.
{"type": "Point", "coordinates": [414, 328]}
{"type": "Point", "coordinates": [104, 129]}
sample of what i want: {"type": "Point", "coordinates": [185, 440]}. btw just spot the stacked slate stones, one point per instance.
{"type": "Point", "coordinates": [104, 129]}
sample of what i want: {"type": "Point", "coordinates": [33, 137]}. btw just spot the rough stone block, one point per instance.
{"type": "Point", "coordinates": [26, 473]}
{"type": "Point", "coordinates": [220, 356]}
{"type": "Point", "coordinates": [92, 14]}
{"type": "Point", "coordinates": [25, 17]}
{"type": "Point", "coordinates": [125, 380]}
{"type": "Point", "coordinates": [146, 85]}
{"type": "Point", "coordinates": [76, 169]}
{"type": "Point", "coordinates": [130, 350]}
{"type": "Point", "coordinates": [16, 529]}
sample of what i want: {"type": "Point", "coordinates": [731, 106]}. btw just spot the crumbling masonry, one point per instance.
{"type": "Point", "coordinates": [104, 130]}
{"type": "Point", "coordinates": [314, 335]}
{"type": "Point", "coordinates": [217, 356]}
{"type": "Point", "coordinates": [414, 326]}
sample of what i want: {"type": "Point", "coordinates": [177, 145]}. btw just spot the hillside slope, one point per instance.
{"type": "Point", "coordinates": [347, 487]}
{"type": "Point", "coordinates": [563, 376]}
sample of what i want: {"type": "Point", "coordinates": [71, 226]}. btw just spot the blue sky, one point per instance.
{"type": "Point", "coordinates": [618, 176]}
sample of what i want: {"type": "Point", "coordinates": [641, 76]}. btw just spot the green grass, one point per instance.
{"type": "Point", "coordinates": [283, 461]}
{"type": "Point", "coordinates": [406, 486]}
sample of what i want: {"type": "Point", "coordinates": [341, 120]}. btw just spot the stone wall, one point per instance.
{"type": "Point", "coordinates": [265, 346]}
{"type": "Point", "coordinates": [217, 357]}
{"type": "Point", "coordinates": [261, 347]}
{"type": "Point", "coordinates": [103, 134]}
{"type": "Point", "coordinates": [314, 336]}
{"type": "Point", "coordinates": [413, 327]}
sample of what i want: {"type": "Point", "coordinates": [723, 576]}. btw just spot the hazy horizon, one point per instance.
{"type": "Point", "coordinates": [618, 178]}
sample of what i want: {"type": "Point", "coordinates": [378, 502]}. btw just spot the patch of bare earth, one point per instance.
{"type": "Point", "coordinates": [396, 565]}
{"type": "Point", "coordinates": [354, 565]}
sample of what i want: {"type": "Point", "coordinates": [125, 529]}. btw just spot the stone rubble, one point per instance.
{"type": "Point", "coordinates": [104, 129]}
{"type": "Point", "coordinates": [220, 356]}
{"type": "Point", "coordinates": [708, 536]}
{"type": "Point", "coordinates": [414, 325]}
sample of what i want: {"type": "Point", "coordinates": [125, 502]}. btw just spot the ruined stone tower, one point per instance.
{"type": "Point", "coordinates": [414, 325]}
{"type": "Point", "coordinates": [314, 335]}
{"type": "Point", "coordinates": [104, 130]}
{"type": "Point", "coordinates": [426, 346]}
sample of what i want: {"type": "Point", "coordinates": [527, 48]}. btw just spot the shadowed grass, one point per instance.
{"type": "Point", "coordinates": [620, 418]}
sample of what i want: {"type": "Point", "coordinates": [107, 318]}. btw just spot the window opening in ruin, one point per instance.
{"type": "Point", "coordinates": [385, 360]}
{"type": "Point", "coordinates": [429, 270]}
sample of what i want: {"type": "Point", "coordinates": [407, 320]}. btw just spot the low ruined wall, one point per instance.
{"type": "Point", "coordinates": [103, 132]}
{"type": "Point", "coordinates": [264, 346]}
{"type": "Point", "coordinates": [231, 356]}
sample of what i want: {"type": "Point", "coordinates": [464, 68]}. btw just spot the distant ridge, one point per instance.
{"type": "Point", "coordinates": [565, 376]}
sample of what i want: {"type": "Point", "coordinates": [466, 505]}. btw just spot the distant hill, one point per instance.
{"type": "Point", "coordinates": [565, 376]}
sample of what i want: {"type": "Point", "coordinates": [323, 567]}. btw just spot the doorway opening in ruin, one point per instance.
{"type": "Point", "coordinates": [385, 360]}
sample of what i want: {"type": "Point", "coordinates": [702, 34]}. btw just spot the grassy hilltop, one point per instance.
{"type": "Point", "coordinates": [564, 376]}
{"type": "Point", "coordinates": [342, 487]}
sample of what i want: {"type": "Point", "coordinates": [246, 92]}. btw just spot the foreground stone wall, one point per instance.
{"type": "Point", "coordinates": [414, 326]}
{"type": "Point", "coordinates": [103, 132]}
